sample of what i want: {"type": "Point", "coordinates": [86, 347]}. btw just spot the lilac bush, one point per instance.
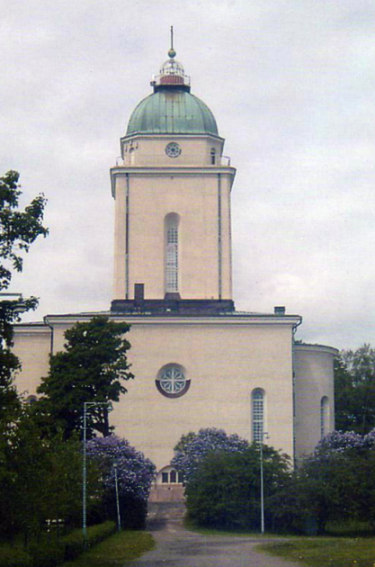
{"type": "Point", "coordinates": [336, 482]}
{"type": "Point", "coordinates": [135, 472]}
{"type": "Point", "coordinates": [339, 442]}
{"type": "Point", "coordinates": [369, 439]}
{"type": "Point", "coordinates": [193, 447]}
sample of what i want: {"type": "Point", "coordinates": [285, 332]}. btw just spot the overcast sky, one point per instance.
{"type": "Point", "coordinates": [291, 84]}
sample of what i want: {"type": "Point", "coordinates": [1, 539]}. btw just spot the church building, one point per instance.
{"type": "Point", "coordinates": [197, 361]}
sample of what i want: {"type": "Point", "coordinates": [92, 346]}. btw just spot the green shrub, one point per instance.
{"type": "Point", "coordinates": [14, 557]}
{"type": "Point", "coordinates": [97, 533]}
{"type": "Point", "coordinates": [133, 511]}
{"type": "Point", "coordinates": [46, 554]}
{"type": "Point", "coordinates": [73, 542]}
{"type": "Point", "coordinates": [224, 492]}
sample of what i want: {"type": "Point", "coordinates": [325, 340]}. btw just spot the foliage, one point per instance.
{"type": "Point", "coordinates": [46, 554]}
{"type": "Point", "coordinates": [225, 489]}
{"type": "Point", "coordinates": [355, 390]}
{"type": "Point", "coordinates": [336, 482]}
{"type": "Point", "coordinates": [135, 474]}
{"type": "Point", "coordinates": [114, 551]}
{"type": "Point", "coordinates": [73, 543]}
{"type": "Point", "coordinates": [194, 447]}
{"type": "Point", "coordinates": [222, 476]}
{"type": "Point", "coordinates": [18, 230]}
{"type": "Point", "coordinates": [92, 367]}
{"type": "Point", "coordinates": [47, 551]}
{"type": "Point", "coordinates": [40, 479]}
{"type": "Point", "coordinates": [11, 556]}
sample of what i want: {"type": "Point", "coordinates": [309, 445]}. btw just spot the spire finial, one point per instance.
{"type": "Point", "coordinates": [172, 52]}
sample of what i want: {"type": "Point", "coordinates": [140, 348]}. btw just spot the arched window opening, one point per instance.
{"type": "Point", "coordinates": [171, 476]}
{"type": "Point", "coordinates": [257, 406]}
{"type": "Point", "coordinates": [324, 416]}
{"type": "Point", "coordinates": [31, 399]}
{"type": "Point", "coordinates": [171, 253]}
{"type": "Point", "coordinates": [213, 156]}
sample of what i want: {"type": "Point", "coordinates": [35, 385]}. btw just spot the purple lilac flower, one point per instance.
{"type": "Point", "coordinates": [206, 441]}
{"type": "Point", "coordinates": [135, 472]}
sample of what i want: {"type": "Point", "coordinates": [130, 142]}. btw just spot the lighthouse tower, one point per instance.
{"type": "Point", "coordinates": [172, 194]}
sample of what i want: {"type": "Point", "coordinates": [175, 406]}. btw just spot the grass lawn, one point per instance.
{"type": "Point", "coordinates": [348, 547]}
{"type": "Point", "coordinates": [116, 549]}
{"type": "Point", "coordinates": [326, 551]}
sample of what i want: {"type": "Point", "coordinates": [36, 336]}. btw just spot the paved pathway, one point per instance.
{"type": "Point", "coordinates": [178, 547]}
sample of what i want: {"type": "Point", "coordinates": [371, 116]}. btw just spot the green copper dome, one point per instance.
{"type": "Point", "coordinates": [172, 111]}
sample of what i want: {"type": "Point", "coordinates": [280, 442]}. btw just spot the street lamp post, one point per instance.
{"type": "Point", "coordinates": [264, 436]}
{"type": "Point", "coordinates": [117, 499]}
{"type": "Point", "coordinates": [86, 405]}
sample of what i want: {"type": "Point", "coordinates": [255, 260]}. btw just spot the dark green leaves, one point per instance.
{"type": "Point", "coordinates": [93, 368]}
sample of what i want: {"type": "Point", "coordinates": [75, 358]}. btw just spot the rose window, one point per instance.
{"type": "Point", "coordinates": [171, 381]}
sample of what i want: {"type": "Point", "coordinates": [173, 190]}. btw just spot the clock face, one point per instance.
{"type": "Point", "coordinates": [173, 150]}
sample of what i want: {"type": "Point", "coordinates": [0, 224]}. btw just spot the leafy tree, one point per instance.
{"type": "Point", "coordinates": [194, 447]}
{"type": "Point", "coordinates": [336, 482]}
{"type": "Point", "coordinates": [18, 230]}
{"type": "Point", "coordinates": [135, 474]}
{"type": "Point", "coordinates": [355, 390]}
{"type": "Point", "coordinates": [225, 489]}
{"type": "Point", "coordinates": [93, 367]}
{"type": "Point", "coordinates": [40, 479]}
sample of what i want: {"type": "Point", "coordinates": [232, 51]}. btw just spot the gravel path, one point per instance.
{"type": "Point", "coordinates": [178, 547]}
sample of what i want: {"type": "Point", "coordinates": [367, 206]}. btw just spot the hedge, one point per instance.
{"type": "Point", "coordinates": [73, 542]}
{"type": "Point", "coordinates": [14, 557]}
{"type": "Point", "coordinates": [51, 554]}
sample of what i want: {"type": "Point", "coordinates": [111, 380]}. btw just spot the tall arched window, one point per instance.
{"type": "Point", "coordinates": [171, 253]}
{"type": "Point", "coordinates": [324, 416]}
{"type": "Point", "coordinates": [257, 411]}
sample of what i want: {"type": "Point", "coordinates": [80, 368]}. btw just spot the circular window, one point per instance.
{"type": "Point", "coordinates": [173, 150]}
{"type": "Point", "coordinates": [171, 381]}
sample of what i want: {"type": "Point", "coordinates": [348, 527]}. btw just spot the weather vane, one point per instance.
{"type": "Point", "coordinates": [172, 52]}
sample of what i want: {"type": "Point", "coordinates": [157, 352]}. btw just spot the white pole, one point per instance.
{"type": "Point", "coordinates": [84, 476]}
{"type": "Point", "coordinates": [117, 499]}
{"type": "Point", "coordinates": [261, 489]}
{"type": "Point", "coordinates": [84, 467]}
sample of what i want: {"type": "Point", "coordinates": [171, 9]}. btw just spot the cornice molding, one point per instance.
{"type": "Point", "coordinates": [219, 320]}
{"type": "Point", "coordinates": [119, 171]}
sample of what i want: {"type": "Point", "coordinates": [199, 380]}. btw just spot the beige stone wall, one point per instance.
{"type": "Point", "coordinates": [224, 362]}
{"type": "Point", "coordinates": [225, 359]}
{"type": "Point", "coordinates": [154, 185]}
{"type": "Point", "coordinates": [193, 195]}
{"type": "Point", "coordinates": [313, 380]}
{"type": "Point", "coordinates": [32, 345]}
